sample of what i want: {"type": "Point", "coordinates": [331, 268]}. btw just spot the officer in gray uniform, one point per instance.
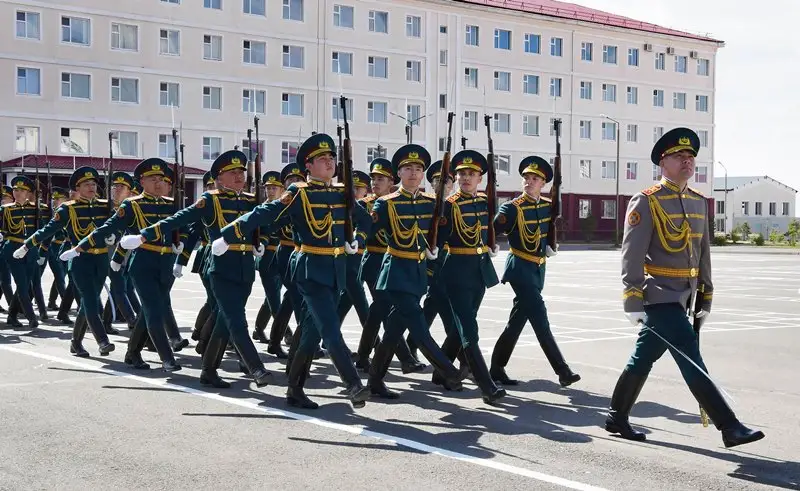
{"type": "Point", "coordinates": [665, 259]}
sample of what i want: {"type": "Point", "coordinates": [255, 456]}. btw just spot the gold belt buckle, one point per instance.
{"type": "Point", "coordinates": [242, 247]}
{"type": "Point", "coordinates": [541, 261]}
{"type": "Point", "coordinates": [335, 252]}
{"type": "Point", "coordinates": [479, 250]}
{"type": "Point", "coordinates": [692, 273]}
{"type": "Point", "coordinates": [421, 256]}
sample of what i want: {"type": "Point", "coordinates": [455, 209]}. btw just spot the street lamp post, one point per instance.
{"type": "Point", "coordinates": [409, 125]}
{"type": "Point", "coordinates": [616, 198]}
{"type": "Point", "coordinates": [725, 200]}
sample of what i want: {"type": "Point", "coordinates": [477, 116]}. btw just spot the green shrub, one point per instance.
{"type": "Point", "coordinates": [720, 240]}
{"type": "Point", "coordinates": [758, 239]}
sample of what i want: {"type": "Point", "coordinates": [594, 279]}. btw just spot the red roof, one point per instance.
{"type": "Point", "coordinates": [564, 10]}
{"type": "Point", "coordinates": [66, 162]}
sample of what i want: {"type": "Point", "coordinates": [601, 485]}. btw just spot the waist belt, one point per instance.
{"type": "Point", "coordinates": [670, 272]}
{"type": "Point", "coordinates": [14, 239]}
{"type": "Point", "coordinates": [528, 256]}
{"type": "Point", "coordinates": [57, 242]}
{"type": "Point", "coordinates": [415, 256]}
{"type": "Point", "coordinates": [469, 251]}
{"type": "Point", "coordinates": [98, 250]}
{"type": "Point", "coordinates": [155, 248]}
{"type": "Point", "coordinates": [287, 243]}
{"type": "Point", "coordinates": [240, 247]}
{"type": "Point", "coordinates": [322, 251]}
{"type": "Point", "coordinates": [376, 249]}
{"type": "Point", "coordinates": [272, 248]}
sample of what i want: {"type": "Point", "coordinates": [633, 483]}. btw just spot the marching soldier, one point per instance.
{"type": "Point", "coordinates": [121, 184]}
{"type": "Point", "coordinates": [58, 289]}
{"type": "Point", "coordinates": [199, 232]}
{"type": "Point", "coordinates": [526, 221]}
{"type": "Point", "coordinates": [5, 274]}
{"type": "Point", "coordinates": [316, 210]}
{"type": "Point", "coordinates": [665, 258]}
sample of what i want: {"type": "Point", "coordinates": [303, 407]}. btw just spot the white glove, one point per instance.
{"type": "Point", "coordinates": [111, 239]}
{"type": "Point", "coordinates": [69, 254]}
{"type": "Point", "coordinates": [20, 253]}
{"type": "Point", "coordinates": [115, 266]}
{"type": "Point", "coordinates": [129, 242]}
{"type": "Point", "coordinates": [493, 252]}
{"type": "Point", "coordinates": [549, 252]}
{"type": "Point", "coordinates": [635, 317]}
{"type": "Point", "coordinates": [1, 237]}
{"type": "Point", "coordinates": [258, 251]}
{"type": "Point", "coordinates": [219, 247]}
{"type": "Point", "coordinates": [177, 249]}
{"type": "Point", "coordinates": [177, 270]}
{"type": "Point", "coordinates": [41, 261]}
{"type": "Point", "coordinates": [702, 316]}
{"type": "Point", "coordinates": [351, 248]}
{"type": "Point", "coordinates": [432, 254]}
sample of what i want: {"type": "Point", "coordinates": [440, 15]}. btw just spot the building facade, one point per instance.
{"type": "Point", "coordinates": [75, 71]}
{"type": "Point", "coordinates": [760, 201]}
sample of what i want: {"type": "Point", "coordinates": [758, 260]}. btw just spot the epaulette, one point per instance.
{"type": "Point", "coordinates": [300, 184]}
{"type": "Point", "coordinates": [213, 191]}
{"type": "Point", "coordinates": [134, 198]}
{"type": "Point", "coordinates": [428, 195]}
{"type": "Point", "coordinates": [12, 204]}
{"type": "Point", "coordinates": [652, 189]}
{"type": "Point", "coordinates": [102, 201]}
{"type": "Point", "coordinates": [337, 185]}
{"type": "Point", "coordinates": [548, 200]}
{"type": "Point", "coordinates": [249, 195]}
{"type": "Point", "coordinates": [481, 195]}
{"type": "Point", "coordinates": [519, 199]}
{"type": "Point", "coordinates": [695, 191]}
{"type": "Point", "coordinates": [452, 198]}
{"type": "Point", "coordinates": [168, 199]}
{"type": "Point", "coordinates": [389, 196]}
{"type": "Point", "coordinates": [368, 199]}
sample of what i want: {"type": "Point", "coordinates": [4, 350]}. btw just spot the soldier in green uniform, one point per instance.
{"type": "Point", "coordinates": [526, 221]}
{"type": "Point", "coordinates": [231, 273]}
{"type": "Point", "coordinates": [58, 288]}
{"type": "Point", "coordinates": [89, 269]}
{"type": "Point", "coordinates": [6, 287]}
{"type": "Point", "coordinates": [405, 216]}
{"type": "Point", "coordinates": [121, 184]}
{"type": "Point", "coordinates": [665, 258]}
{"type": "Point", "coordinates": [199, 233]}
{"type": "Point", "coordinates": [170, 323]}
{"type": "Point", "coordinates": [468, 270]}
{"type": "Point", "coordinates": [316, 210]}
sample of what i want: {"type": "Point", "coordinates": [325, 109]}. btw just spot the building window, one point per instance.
{"type": "Point", "coordinates": [125, 90]}
{"type": "Point", "coordinates": [212, 147]}
{"type": "Point", "coordinates": [759, 207]}
{"type": "Point", "coordinates": [28, 139]}
{"type": "Point", "coordinates": [631, 170]}
{"type": "Point", "coordinates": [175, 2]}
{"type": "Point", "coordinates": [530, 125]}
{"type": "Point", "coordinates": [586, 90]}
{"type": "Point", "coordinates": [533, 43]}
{"type": "Point", "coordinates": [608, 169]}
{"type": "Point", "coordinates": [379, 21]}
{"type": "Point", "coordinates": [680, 64]}
{"type": "Point", "coordinates": [254, 7]}
{"type": "Point", "coordinates": [785, 208]}
{"type": "Point", "coordinates": [471, 36]}
{"type": "Point", "coordinates": [169, 94]}
{"type": "Point", "coordinates": [530, 84]}
{"type": "Point", "coordinates": [586, 169]}
{"type": "Point", "coordinates": [633, 56]}
{"type": "Point", "coordinates": [125, 143]}
{"type": "Point", "coordinates": [413, 26]}
{"type": "Point", "coordinates": [169, 42]}
{"type": "Point", "coordinates": [584, 208]}
{"type": "Point", "coordinates": [658, 132]}
{"type": "Point", "coordinates": [555, 87]}
{"type": "Point", "coordinates": [343, 16]}
{"type": "Point", "coordinates": [442, 29]}
{"type": "Point", "coordinates": [413, 112]}
{"type": "Point", "coordinates": [212, 47]}
{"type": "Point", "coordinates": [166, 146]}
{"type": "Point", "coordinates": [660, 60]}
{"type": "Point", "coordinates": [633, 133]}
{"type": "Point", "coordinates": [254, 52]}
{"type": "Point", "coordinates": [28, 25]}
{"type": "Point", "coordinates": [76, 86]}
{"type": "Point", "coordinates": [610, 92]}
{"type": "Point", "coordinates": [442, 144]}
{"type": "Point", "coordinates": [212, 98]}
{"type": "Point", "coordinates": [413, 71]}
{"type": "Point", "coordinates": [124, 37]}
{"type": "Point", "coordinates": [701, 174]}
{"type": "Point", "coordinates": [502, 163]}
{"type": "Point", "coordinates": [773, 209]}
{"type": "Point", "coordinates": [29, 81]}
{"type": "Point", "coordinates": [701, 103]}
{"type": "Point", "coordinates": [745, 208]}
{"type": "Point", "coordinates": [378, 67]}
{"type": "Point", "coordinates": [556, 47]}
{"type": "Point", "coordinates": [442, 101]}
{"type": "Point", "coordinates": [75, 141]}
{"type": "Point", "coordinates": [342, 62]}
{"type": "Point", "coordinates": [585, 129]}
{"type": "Point", "coordinates": [502, 81]}
{"type": "Point", "coordinates": [212, 4]}
{"type": "Point", "coordinates": [633, 95]}
{"type": "Point", "coordinates": [703, 67]}
{"type": "Point", "coordinates": [586, 51]}
{"type": "Point", "coordinates": [471, 78]}
{"type": "Point", "coordinates": [375, 153]}
{"type": "Point", "coordinates": [443, 57]}
{"type": "Point", "coordinates": [609, 131]}
{"type": "Point", "coordinates": [609, 209]}
{"type": "Point", "coordinates": [703, 136]}
{"type": "Point", "coordinates": [679, 100]}
{"type": "Point", "coordinates": [470, 120]}
{"type": "Point", "coordinates": [502, 39]}
{"type": "Point", "coordinates": [610, 55]}
{"type": "Point", "coordinates": [336, 109]}
{"type": "Point", "coordinates": [376, 112]}
{"type": "Point", "coordinates": [293, 10]}
{"type": "Point", "coordinates": [291, 104]}
{"type": "Point", "coordinates": [720, 207]}
{"type": "Point", "coordinates": [254, 101]}
{"type": "Point", "coordinates": [288, 152]}
{"type": "Point", "coordinates": [719, 225]}
{"type": "Point", "coordinates": [75, 30]}
{"type": "Point", "coordinates": [502, 123]}
{"type": "Point", "coordinates": [293, 56]}
{"type": "Point", "coordinates": [658, 98]}
{"type": "Point", "coordinates": [656, 173]}
{"type": "Point", "coordinates": [249, 146]}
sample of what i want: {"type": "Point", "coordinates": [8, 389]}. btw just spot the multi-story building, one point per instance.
{"type": "Point", "coordinates": [762, 202]}
{"type": "Point", "coordinates": [77, 70]}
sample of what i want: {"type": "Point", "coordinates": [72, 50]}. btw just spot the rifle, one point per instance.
{"type": "Point", "coordinates": [259, 187]}
{"type": "Point", "coordinates": [339, 172]}
{"type": "Point", "coordinates": [109, 171]}
{"type": "Point", "coordinates": [49, 183]}
{"type": "Point", "coordinates": [182, 180]}
{"type": "Point", "coordinates": [347, 174]}
{"type": "Point", "coordinates": [464, 141]}
{"type": "Point", "coordinates": [250, 179]}
{"type": "Point", "coordinates": [176, 235]}
{"type": "Point", "coordinates": [555, 190]}
{"type": "Point", "coordinates": [491, 186]}
{"type": "Point", "coordinates": [698, 306]}
{"type": "Point", "coordinates": [433, 232]}
{"type": "Point", "coordinates": [36, 197]}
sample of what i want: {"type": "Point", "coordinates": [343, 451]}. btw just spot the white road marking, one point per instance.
{"type": "Point", "coordinates": [351, 429]}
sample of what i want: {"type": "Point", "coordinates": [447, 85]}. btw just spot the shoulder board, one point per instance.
{"type": "Point", "coordinates": [102, 201]}
{"type": "Point", "coordinates": [651, 190]}
{"type": "Point", "coordinates": [67, 203]}
{"type": "Point", "coordinates": [546, 200]}
{"type": "Point", "coordinates": [7, 205]}
{"type": "Point", "coordinates": [213, 191]}
{"type": "Point", "coordinates": [368, 199]}
{"type": "Point", "coordinates": [300, 184]}
{"type": "Point", "coordinates": [45, 207]}
{"type": "Point", "coordinates": [389, 196]}
{"type": "Point", "coordinates": [695, 191]}
{"type": "Point", "coordinates": [519, 200]}
{"type": "Point", "coordinates": [249, 195]}
{"type": "Point", "coordinates": [134, 198]}
{"type": "Point", "coordinates": [481, 195]}
{"type": "Point", "coordinates": [429, 195]}
{"type": "Point", "coordinates": [337, 185]}
{"type": "Point", "coordinates": [452, 198]}
{"type": "Point", "coordinates": [168, 199]}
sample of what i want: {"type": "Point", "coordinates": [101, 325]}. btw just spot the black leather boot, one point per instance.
{"type": "Point", "coordinates": [298, 334]}
{"type": "Point", "coordinates": [625, 394]}
{"type": "Point", "coordinates": [734, 433]}
{"type": "Point", "coordinates": [262, 318]}
{"type": "Point", "coordinates": [295, 395]}
{"type": "Point", "coordinates": [474, 358]}
{"type": "Point", "coordinates": [205, 333]}
{"type": "Point", "coordinates": [430, 350]}
{"type": "Point", "coordinates": [212, 358]}
{"type": "Point", "coordinates": [78, 332]}
{"type": "Point", "coordinates": [408, 360]}
{"type": "Point", "coordinates": [356, 392]}
{"type": "Point", "coordinates": [133, 357]}
{"type": "Point", "coordinates": [501, 354]}
{"type": "Point", "coordinates": [274, 342]}
{"type": "Point", "coordinates": [377, 371]}
{"type": "Point", "coordinates": [205, 311]}
{"type": "Point", "coordinates": [450, 348]}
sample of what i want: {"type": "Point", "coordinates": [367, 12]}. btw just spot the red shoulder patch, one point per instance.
{"type": "Point", "coordinates": [651, 190]}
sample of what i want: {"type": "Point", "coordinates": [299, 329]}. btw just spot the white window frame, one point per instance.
{"type": "Point", "coordinates": [25, 24]}
{"type": "Point", "coordinates": [632, 133]}
{"type": "Point", "coordinates": [169, 85]}
{"type": "Point", "coordinates": [610, 54]}
{"type": "Point", "coordinates": [585, 129]}
{"type": "Point", "coordinates": [289, 52]}
{"type": "Point", "coordinates": [529, 41]}
{"type": "Point", "coordinates": [120, 92]}
{"type": "Point", "coordinates": [208, 97]}
{"type": "Point", "coordinates": [502, 122]}
{"type": "Point", "coordinates": [373, 65]}
{"type": "Point", "coordinates": [556, 86]}
{"type": "Point", "coordinates": [247, 47]}
{"type": "Point", "coordinates": [633, 57]}
{"type": "Point", "coordinates": [609, 209]}
{"type": "Point", "coordinates": [38, 71]}
{"type": "Point", "coordinates": [468, 77]}
{"type": "Point", "coordinates": [585, 90]}
{"type": "Point", "coordinates": [88, 42]}
{"type": "Point", "coordinates": [528, 80]}
{"type": "Point", "coordinates": [119, 37]}
{"type": "Point", "coordinates": [632, 95]}
{"type": "Point", "coordinates": [584, 208]}
{"type": "Point", "coordinates": [472, 35]}
{"type": "Point", "coordinates": [500, 77]}
{"type": "Point", "coordinates": [609, 92]}
{"type": "Point", "coordinates": [70, 96]}
{"type": "Point", "coordinates": [289, 11]}
{"type": "Point", "coordinates": [118, 150]}
{"type": "Point", "coordinates": [371, 105]}
{"type": "Point", "coordinates": [336, 62]}
{"type": "Point", "coordinates": [247, 7]}
{"type": "Point", "coordinates": [703, 108]}
{"type": "Point", "coordinates": [608, 131]}
{"type": "Point", "coordinates": [289, 100]}
{"type": "Point", "coordinates": [336, 110]}
{"type": "Point", "coordinates": [608, 169]}
{"type": "Point", "coordinates": [632, 171]}
{"type": "Point", "coordinates": [585, 169]}
{"type": "Point", "coordinates": [166, 146]}
{"type": "Point", "coordinates": [498, 38]}
{"type": "Point", "coordinates": [209, 152]}
{"type": "Point", "coordinates": [251, 99]}
{"type": "Point", "coordinates": [173, 45]}
{"type": "Point", "coordinates": [530, 125]}
{"type": "Point", "coordinates": [373, 21]}
{"type": "Point", "coordinates": [470, 121]}
{"type": "Point", "coordinates": [27, 135]}
{"type": "Point", "coordinates": [587, 51]}
{"type": "Point", "coordinates": [413, 71]}
{"type": "Point", "coordinates": [413, 26]}
{"type": "Point", "coordinates": [337, 14]}
{"type": "Point", "coordinates": [64, 144]}
{"type": "Point", "coordinates": [677, 97]}
{"type": "Point", "coordinates": [556, 46]}
{"type": "Point", "coordinates": [209, 47]}
{"type": "Point", "coordinates": [658, 98]}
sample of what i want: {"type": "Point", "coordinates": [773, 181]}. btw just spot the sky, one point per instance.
{"type": "Point", "coordinates": [758, 76]}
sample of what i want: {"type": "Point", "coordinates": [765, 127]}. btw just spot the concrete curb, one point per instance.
{"type": "Point", "coordinates": [731, 249]}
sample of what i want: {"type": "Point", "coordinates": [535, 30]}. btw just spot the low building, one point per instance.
{"type": "Point", "coordinates": [761, 201]}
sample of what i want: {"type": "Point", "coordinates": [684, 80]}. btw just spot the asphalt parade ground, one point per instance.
{"type": "Point", "coordinates": [70, 423]}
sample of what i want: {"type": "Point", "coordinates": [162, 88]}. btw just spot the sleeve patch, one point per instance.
{"type": "Point", "coordinates": [634, 218]}
{"type": "Point", "coordinates": [286, 198]}
{"type": "Point", "coordinates": [56, 217]}
{"type": "Point", "coordinates": [442, 221]}
{"type": "Point", "coordinates": [374, 217]}
{"type": "Point", "coordinates": [201, 203]}
{"type": "Point", "coordinates": [121, 212]}
{"type": "Point", "coordinates": [501, 219]}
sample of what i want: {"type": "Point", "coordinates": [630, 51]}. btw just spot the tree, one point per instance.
{"type": "Point", "coordinates": [794, 231]}
{"type": "Point", "coordinates": [744, 228]}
